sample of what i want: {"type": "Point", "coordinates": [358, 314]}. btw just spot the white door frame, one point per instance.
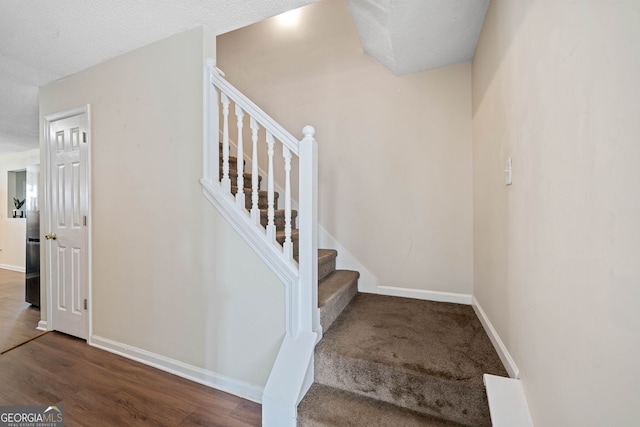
{"type": "Point", "coordinates": [46, 218]}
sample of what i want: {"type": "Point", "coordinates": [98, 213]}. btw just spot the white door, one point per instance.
{"type": "Point", "coordinates": [67, 213]}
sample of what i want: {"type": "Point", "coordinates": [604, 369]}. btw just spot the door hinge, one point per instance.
{"type": "Point", "coordinates": [85, 303]}
{"type": "Point", "coordinates": [84, 137]}
{"type": "Point", "coordinates": [84, 220]}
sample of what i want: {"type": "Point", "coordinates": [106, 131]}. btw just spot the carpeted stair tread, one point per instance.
{"type": "Point", "coordinates": [335, 292]}
{"type": "Point", "coordinates": [329, 407]}
{"type": "Point", "coordinates": [426, 356]}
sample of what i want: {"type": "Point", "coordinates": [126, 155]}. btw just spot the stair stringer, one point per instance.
{"type": "Point", "coordinates": [241, 222]}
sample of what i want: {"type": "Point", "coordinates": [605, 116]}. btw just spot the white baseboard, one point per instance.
{"type": "Point", "coordinates": [42, 326]}
{"type": "Point", "coordinates": [12, 268]}
{"type": "Point", "coordinates": [507, 402]}
{"type": "Point", "coordinates": [193, 373]}
{"type": "Point", "coordinates": [424, 295]}
{"type": "Point", "coordinates": [501, 349]}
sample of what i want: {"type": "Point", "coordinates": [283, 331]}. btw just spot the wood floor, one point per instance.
{"type": "Point", "coordinates": [97, 388]}
{"type": "Point", "coordinates": [18, 319]}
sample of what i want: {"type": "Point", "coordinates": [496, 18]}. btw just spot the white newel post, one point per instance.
{"type": "Point", "coordinates": [309, 319]}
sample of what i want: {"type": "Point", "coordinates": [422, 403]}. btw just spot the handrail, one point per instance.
{"type": "Point", "coordinates": [252, 109]}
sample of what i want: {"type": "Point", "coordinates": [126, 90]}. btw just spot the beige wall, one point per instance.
{"type": "Point", "coordinates": [169, 274]}
{"type": "Point", "coordinates": [13, 230]}
{"type": "Point", "coordinates": [556, 255]}
{"type": "Point", "coordinates": [395, 152]}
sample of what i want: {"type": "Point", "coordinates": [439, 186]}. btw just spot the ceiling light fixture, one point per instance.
{"type": "Point", "coordinates": [289, 19]}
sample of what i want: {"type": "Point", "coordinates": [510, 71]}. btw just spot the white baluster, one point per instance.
{"type": "Point", "coordinates": [226, 182]}
{"type": "Point", "coordinates": [255, 211]}
{"type": "Point", "coordinates": [240, 160]}
{"type": "Point", "coordinates": [288, 244]}
{"type": "Point", "coordinates": [271, 227]}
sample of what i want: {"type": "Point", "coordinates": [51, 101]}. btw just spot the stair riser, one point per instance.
{"type": "Point", "coordinates": [330, 312]}
{"type": "Point", "coordinates": [464, 404]}
{"type": "Point", "coordinates": [326, 267]}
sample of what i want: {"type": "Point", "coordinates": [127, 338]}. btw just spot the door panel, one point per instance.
{"type": "Point", "coordinates": [69, 195]}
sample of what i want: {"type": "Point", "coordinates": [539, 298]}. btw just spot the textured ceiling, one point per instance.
{"type": "Point", "coordinates": [44, 40]}
{"type": "Point", "coordinates": [414, 35]}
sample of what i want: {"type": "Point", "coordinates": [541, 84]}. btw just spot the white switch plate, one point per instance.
{"type": "Point", "coordinates": [507, 172]}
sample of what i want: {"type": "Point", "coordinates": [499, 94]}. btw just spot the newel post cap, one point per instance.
{"type": "Point", "coordinates": [308, 131]}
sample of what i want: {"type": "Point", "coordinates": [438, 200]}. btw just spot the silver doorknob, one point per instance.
{"type": "Point", "coordinates": [51, 236]}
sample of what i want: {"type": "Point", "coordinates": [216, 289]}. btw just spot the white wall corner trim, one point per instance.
{"type": "Point", "coordinates": [12, 268]}
{"type": "Point", "coordinates": [503, 353]}
{"type": "Point", "coordinates": [507, 402]}
{"type": "Point", "coordinates": [193, 373]}
{"type": "Point", "coordinates": [42, 326]}
{"type": "Point", "coordinates": [424, 294]}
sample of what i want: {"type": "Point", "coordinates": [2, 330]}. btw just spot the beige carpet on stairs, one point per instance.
{"type": "Point", "coordinates": [421, 361]}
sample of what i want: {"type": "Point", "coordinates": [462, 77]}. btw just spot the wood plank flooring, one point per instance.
{"type": "Point", "coordinates": [98, 388]}
{"type": "Point", "coordinates": [18, 319]}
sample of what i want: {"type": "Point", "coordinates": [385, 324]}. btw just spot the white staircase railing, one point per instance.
{"type": "Point", "coordinates": [293, 371]}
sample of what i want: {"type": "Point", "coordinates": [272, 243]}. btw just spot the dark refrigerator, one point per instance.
{"type": "Point", "coordinates": [32, 266]}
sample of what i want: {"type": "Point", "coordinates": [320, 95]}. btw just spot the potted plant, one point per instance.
{"type": "Point", "coordinates": [17, 213]}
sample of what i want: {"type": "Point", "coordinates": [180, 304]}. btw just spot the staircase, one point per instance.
{"type": "Point", "coordinates": [382, 361]}
{"type": "Point", "coordinates": [389, 361]}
